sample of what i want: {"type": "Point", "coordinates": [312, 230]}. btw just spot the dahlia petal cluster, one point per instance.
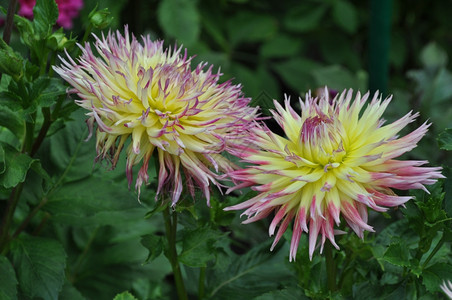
{"type": "Point", "coordinates": [150, 95]}
{"type": "Point", "coordinates": [67, 10]}
{"type": "Point", "coordinates": [338, 158]}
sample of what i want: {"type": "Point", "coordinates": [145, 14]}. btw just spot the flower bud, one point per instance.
{"type": "Point", "coordinates": [100, 18]}
{"type": "Point", "coordinates": [58, 41]}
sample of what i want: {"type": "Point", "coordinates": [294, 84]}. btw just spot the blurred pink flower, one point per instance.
{"type": "Point", "coordinates": [336, 159]}
{"type": "Point", "coordinates": [68, 9]}
{"type": "Point", "coordinates": [144, 92]}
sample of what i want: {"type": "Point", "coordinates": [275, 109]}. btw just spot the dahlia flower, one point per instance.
{"type": "Point", "coordinates": [447, 288]}
{"type": "Point", "coordinates": [337, 159]}
{"type": "Point", "coordinates": [150, 94]}
{"type": "Point", "coordinates": [67, 10]}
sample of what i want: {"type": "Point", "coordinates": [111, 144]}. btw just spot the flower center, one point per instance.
{"type": "Point", "coordinates": [322, 140]}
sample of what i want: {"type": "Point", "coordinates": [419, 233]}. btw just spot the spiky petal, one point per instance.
{"type": "Point", "coordinates": [150, 95]}
{"type": "Point", "coordinates": [338, 158]}
{"type": "Point", "coordinates": [447, 288]}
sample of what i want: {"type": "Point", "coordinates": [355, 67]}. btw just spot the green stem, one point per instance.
{"type": "Point", "coordinates": [30, 216]}
{"type": "Point", "coordinates": [330, 267]}
{"type": "Point", "coordinates": [29, 133]}
{"type": "Point", "coordinates": [51, 63]}
{"type": "Point", "coordinates": [437, 247]}
{"type": "Point", "coordinates": [16, 191]}
{"type": "Point", "coordinates": [171, 228]}
{"type": "Point", "coordinates": [43, 132]}
{"type": "Point", "coordinates": [8, 216]}
{"type": "Point", "coordinates": [86, 35]}
{"type": "Point", "coordinates": [202, 279]}
{"type": "Point", "coordinates": [9, 21]}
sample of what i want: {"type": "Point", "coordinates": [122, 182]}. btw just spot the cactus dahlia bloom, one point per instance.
{"type": "Point", "coordinates": [150, 94]}
{"type": "Point", "coordinates": [338, 159]}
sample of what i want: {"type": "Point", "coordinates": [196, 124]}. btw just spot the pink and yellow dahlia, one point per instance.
{"type": "Point", "coordinates": [338, 158]}
{"type": "Point", "coordinates": [151, 94]}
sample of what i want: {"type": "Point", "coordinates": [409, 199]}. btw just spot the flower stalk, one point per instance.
{"type": "Point", "coordinates": [171, 253]}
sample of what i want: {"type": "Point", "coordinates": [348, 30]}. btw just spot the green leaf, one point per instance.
{"type": "Point", "coordinates": [11, 119]}
{"type": "Point", "coordinates": [2, 160]}
{"type": "Point", "coordinates": [180, 20]}
{"type": "Point", "coordinates": [197, 247]}
{"type": "Point", "coordinates": [25, 28]}
{"type": "Point", "coordinates": [344, 14]}
{"type": "Point", "coordinates": [445, 139]}
{"type": "Point", "coordinates": [8, 285]}
{"type": "Point", "coordinates": [294, 293]}
{"type": "Point", "coordinates": [47, 90]}
{"type": "Point", "coordinates": [39, 264]}
{"type": "Point", "coordinates": [93, 202]}
{"type": "Point", "coordinates": [304, 18]}
{"type": "Point", "coordinates": [246, 27]}
{"type": "Point", "coordinates": [339, 78]}
{"type": "Point", "coordinates": [69, 292]}
{"type": "Point", "coordinates": [434, 276]}
{"type": "Point", "coordinates": [125, 296]}
{"type": "Point", "coordinates": [45, 14]}
{"type": "Point", "coordinates": [154, 244]}
{"type": "Point", "coordinates": [433, 55]}
{"type": "Point", "coordinates": [397, 254]}
{"type": "Point", "coordinates": [297, 73]}
{"type": "Point", "coordinates": [16, 167]}
{"type": "Point", "coordinates": [280, 46]}
{"type": "Point", "coordinates": [69, 153]}
{"type": "Point", "coordinates": [249, 275]}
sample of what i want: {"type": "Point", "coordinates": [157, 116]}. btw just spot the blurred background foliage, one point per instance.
{"type": "Point", "coordinates": [272, 48]}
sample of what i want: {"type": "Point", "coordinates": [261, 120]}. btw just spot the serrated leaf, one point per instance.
{"type": "Point", "coordinates": [154, 244]}
{"type": "Point", "coordinates": [197, 247]}
{"type": "Point", "coordinates": [11, 119]}
{"type": "Point", "coordinates": [397, 254]}
{"type": "Point", "coordinates": [249, 275]}
{"type": "Point", "coordinates": [344, 14]}
{"type": "Point", "coordinates": [45, 14]}
{"type": "Point", "coordinates": [180, 20]}
{"type": "Point", "coordinates": [445, 139]}
{"type": "Point", "coordinates": [125, 296]}
{"type": "Point", "coordinates": [69, 152]}
{"type": "Point", "coordinates": [16, 167]}
{"type": "Point", "coordinates": [39, 264]}
{"type": "Point", "coordinates": [25, 28]}
{"type": "Point", "coordinates": [8, 285]}
{"type": "Point", "coordinates": [47, 90]}
{"type": "Point", "coordinates": [434, 276]}
{"type": "Point", "coordinates": [90, 197]}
